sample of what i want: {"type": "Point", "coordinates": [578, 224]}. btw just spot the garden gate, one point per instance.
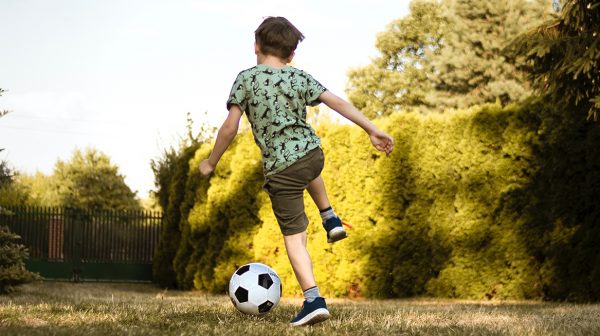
{"type": "Point", "coordinates": [77, 244]}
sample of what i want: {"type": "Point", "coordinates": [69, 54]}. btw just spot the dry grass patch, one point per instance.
{"type": "Point", "coordinates": [55, 308]}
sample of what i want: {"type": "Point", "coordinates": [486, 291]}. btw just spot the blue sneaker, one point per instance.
{"type": "Point", "coordinates": [335, 230]}
{"type": "Point", "coordinates": [311, 313]}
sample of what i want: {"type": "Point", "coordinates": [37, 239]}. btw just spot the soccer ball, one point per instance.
{"type": "Point", "coordinates": [255, 289]}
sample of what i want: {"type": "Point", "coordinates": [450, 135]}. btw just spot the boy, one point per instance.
{"type": "Point", "coordinates": [274, 97]}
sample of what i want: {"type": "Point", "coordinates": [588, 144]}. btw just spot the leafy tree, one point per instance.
{"type": "Point", "coordinates": [90, 180]}
{"type": "Point", "coordinates": [10, 193]}
{"type": "Point", "coordinates": [471, 68]}
{"type": "Point", "coordinates": [446, 54]}
{"type": "Point", "coordinates": [563, 55]}
{"type": "Point", "coordinates": [40, 189]}
{"type": "Point", "coordinates": [4, 171]}
{"type": "Point", "coordinates": [398, 77]}
{"type": "Point", "coordinates": [2, 112]}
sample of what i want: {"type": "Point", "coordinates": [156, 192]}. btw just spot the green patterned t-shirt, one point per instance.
{"type": "Point", "coordinates": [275, 101]}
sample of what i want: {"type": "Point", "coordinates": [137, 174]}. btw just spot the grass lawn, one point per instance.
{"type": "Point", "coordinates": [62, 308]}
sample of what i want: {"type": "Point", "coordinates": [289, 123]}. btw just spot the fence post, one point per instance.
{"type": "Point", "coordinates": [77, 244]}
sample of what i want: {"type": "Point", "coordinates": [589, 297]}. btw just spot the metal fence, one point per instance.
{"type": "Point", "coordinates": [87, 244]}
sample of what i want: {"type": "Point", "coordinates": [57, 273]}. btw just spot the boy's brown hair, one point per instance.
{"type": "Point", "coordinates": [278, 37]}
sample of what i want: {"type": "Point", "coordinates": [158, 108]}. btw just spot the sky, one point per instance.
{"type": "Point", "coordinates": [120, 76]}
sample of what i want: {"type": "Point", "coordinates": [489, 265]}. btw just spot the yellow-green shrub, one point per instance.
{"type": "Point", "coordinates": [490, 202]}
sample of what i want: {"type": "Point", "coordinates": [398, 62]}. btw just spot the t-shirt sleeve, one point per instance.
{"type": "Point", "coordinates": [238, 96]}
{"type": "Point", "coordinates": [313, 91]}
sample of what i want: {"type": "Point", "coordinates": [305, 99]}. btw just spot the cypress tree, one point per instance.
{"type": "Point", "coordinates": [12, 261]}
{"type": "Point", "coordinates": [562, 55]}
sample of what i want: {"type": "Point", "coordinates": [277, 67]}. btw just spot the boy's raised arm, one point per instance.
{"type": "Point", "coordinates": [225, 136]}
{"type": "Point", "coordinates": [380, 140]}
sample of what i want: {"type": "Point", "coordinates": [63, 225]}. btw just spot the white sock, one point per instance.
{"type": "Point", "coordinates": [311, 294]}
{"type": "Point", "coordinates": [326, 214]}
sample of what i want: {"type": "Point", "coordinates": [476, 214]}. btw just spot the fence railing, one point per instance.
{"type": "Point", "coordinates": [81, 236]}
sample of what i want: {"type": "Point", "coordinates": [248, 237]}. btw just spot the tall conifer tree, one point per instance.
{"type": "Point", "coordinates": [563, 55]}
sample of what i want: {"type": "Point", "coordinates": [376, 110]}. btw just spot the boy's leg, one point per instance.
{"type": "Point", "coordinates": [286, 190]}
{"type": "Point", "coordinates": [314, 309]}
{"type": "Point", "coordinates": [295, 246]}
{"type": "Point", "coordinates": [316, 190]}
{"type": "Point", "coordinates": [331, 222]}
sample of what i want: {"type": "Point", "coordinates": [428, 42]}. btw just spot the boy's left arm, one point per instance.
{"type": "Point", "coordinates": [225, 136]}
{"type": "Point", "coordinates": [380, 140]}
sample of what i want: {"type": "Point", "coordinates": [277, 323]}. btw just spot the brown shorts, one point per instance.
{"type": "Point", "coordinates": [286, 190]}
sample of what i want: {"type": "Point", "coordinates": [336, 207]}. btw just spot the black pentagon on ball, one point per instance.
{"type": "Point", "coordinates": [242, 270]}
{"type": "Point", "coordinates": [265, 306]}
{"type": "Point", "coordinates": [241, 294]}
{"type": "Point", "coordinates": [265, 281]}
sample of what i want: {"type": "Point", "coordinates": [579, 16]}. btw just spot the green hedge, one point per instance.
{"type": "Point", "coordinates": [486, 203]}
{"type": "Point", "coordinates": [171, 175]}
